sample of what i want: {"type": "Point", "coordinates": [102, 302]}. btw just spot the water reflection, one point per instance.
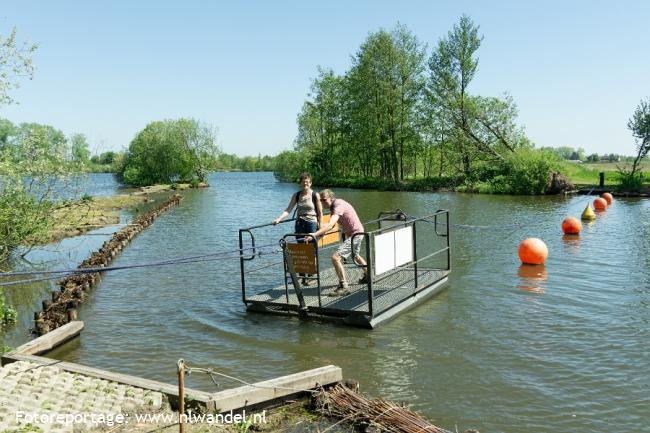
{"type": "Point", "coordinates": [571, 244]}
{"type": "Point", "coordinates": [532, 278]}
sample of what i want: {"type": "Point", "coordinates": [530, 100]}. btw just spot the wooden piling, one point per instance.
{"type": "Point", "coordinates": [181, 395]}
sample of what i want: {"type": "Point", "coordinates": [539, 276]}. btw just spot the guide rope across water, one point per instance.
{"type": "Point", "coordinates": [255, 251]}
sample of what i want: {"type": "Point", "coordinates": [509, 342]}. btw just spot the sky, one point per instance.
{"type": "Point", "coordinates": [576, 69]}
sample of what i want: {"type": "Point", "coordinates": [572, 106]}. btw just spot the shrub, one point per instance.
{"type": "Point", "coordinates": [527, 171]}
{"type": "Point", "coordinates": [7, 312]}
{"type": "Point", "coordinates": [632, 182]}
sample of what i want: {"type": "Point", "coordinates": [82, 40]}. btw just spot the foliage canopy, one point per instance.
{"type": "Point", "coordinates": [395, 116]}
{"type": "Point", "coordinates": [170, 151]}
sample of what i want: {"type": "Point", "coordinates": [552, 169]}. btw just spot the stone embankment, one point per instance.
{"type": "Point", "coordinates": [32, 393]}
{"type": "Point", "coordinates": [62, 307]}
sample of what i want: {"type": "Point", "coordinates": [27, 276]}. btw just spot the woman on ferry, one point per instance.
{"type": "Point", "coordinates": [309, 213]}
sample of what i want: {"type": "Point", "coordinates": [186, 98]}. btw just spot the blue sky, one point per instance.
{"type": "Point", "coordinates": [576, 70]}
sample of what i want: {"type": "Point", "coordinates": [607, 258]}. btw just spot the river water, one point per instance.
{"type": "Point", "coordinates": [509, 348]}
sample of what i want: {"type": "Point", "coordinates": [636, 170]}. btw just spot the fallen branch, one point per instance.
{"type": "Point", "coordinates": [344, 403]}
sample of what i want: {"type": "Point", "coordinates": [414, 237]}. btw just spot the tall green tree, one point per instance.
{"type": "Point", "coordinates": [486, 128]}
{"type": "Point", "coordinates": [320, 124]}
{"type": "Point", "coordinates": [79, 149]}
{"type": "Point", "coordinates": [199, 141]}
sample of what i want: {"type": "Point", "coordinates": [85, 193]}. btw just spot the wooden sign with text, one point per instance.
{"type": "Point", "coordinates": [303, 256]}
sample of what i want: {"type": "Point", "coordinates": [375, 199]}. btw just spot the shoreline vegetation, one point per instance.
{"type": "Point", "coordinates": [90, 213]}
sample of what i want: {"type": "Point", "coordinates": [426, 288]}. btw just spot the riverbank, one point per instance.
{"type": "Point", "coordinates": [556, 185]}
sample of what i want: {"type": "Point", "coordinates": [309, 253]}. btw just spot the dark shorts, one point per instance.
{"type": "Point", "coordinates": [304, 226]}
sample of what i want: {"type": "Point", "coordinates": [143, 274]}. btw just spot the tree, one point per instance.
{"type": "Point", "coordinates": [199, 141]}
{"type": "Point", "coordinates": [17, 206]}
{"type": "Point", "coordinates": [15, 64]}
{"type": "Point", "coordinates": [170, 151]}
{"type": "Point", "coordinates": [33, 166]}
{"type": "Point", "coordinates": [485, 127]}
{"type": "Point", "coordinates": [79, 149]}
{"type": "Point", "coordinates": [593, 157]}
{"type": "Point", "coordinates": [320, 125]}
{"type": "Point", "coordinates": [7, 130]}
{"type": "Point", "coordinates": [639, 124]}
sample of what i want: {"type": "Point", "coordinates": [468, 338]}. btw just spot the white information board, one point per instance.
{"type": "Point", "coordinates": [403, 245]}
{"type": "Point", "coordinates": [392, 249]}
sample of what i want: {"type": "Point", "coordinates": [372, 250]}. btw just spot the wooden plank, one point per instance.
{"type": "Point", "coordinates": [231, 399]}
{"type": "Point", "coordinates": [261, 392]}
{"type": "Point", "coordinates": [52, 339]}
{"type": "Point", "coordinates": [165, 388]}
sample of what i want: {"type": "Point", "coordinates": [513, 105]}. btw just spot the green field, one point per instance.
{"type": "Point", "coordinates": [587, 173]}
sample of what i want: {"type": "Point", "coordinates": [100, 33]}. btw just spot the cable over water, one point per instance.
{"type": "Point", "coordinates": [234, 254]}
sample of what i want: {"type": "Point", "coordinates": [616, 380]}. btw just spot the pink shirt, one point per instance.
{"type": "Point", "coordinates": [347, 217]}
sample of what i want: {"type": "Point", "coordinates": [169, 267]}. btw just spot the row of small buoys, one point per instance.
{"type": "Point", "coordinates": [533, 251]}
{"type": "Point", "coordinates": [62, 308]}
{"type": "Point", "coordinates": [600, 204]}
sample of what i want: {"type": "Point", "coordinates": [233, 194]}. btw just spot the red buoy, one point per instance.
{"type": "Point", "coordinates": [600, 204]}
{"type": "Point", "coordinates": [608, 197]}
{"type": "Point", "coordinates": [571, 226]}
{"type": "Point", "coordinates": [533, 251]}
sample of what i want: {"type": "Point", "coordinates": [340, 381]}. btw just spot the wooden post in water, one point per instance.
{"type": "Point", "coordinates": [601, 179]}
{"type": "Point", "coordinates": [181, 395]}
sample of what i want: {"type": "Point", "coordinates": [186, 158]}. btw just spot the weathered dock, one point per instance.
{"type": "Point", "coordinates": [36, 384]}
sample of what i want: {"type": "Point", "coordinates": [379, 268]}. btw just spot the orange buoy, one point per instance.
{"type": "Point", "coordinates": [571, 226]}
{"type": "Point", "coordinates": [533, 251]}
{"type": "Point", "coordinates": [600, 204]}
{"type": "Point", "coordinates": [608, 197]}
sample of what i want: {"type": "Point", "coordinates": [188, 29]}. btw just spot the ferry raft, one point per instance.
{"type": "Point", "coordinates": [408, 260]}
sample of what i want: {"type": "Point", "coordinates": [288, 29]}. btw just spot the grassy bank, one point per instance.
{"type": "Point", "coordinates": [588, 174]}
{"type": "Point", "coordinates": [88, 214]}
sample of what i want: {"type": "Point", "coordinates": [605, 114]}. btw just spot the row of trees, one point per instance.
{"type": "Point", "coordinates": [397, 114]}
{"type": "Point", "coordinates": [72, 150]}
{"type": "Point", "coordinates": [178, 150]}
{"type": "Point", "coordinates": [578, 154]}
{"type": "Point", "coordinates": [232, 162]}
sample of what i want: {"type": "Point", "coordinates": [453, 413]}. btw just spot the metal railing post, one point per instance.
{"type": "Point", "coordinates": [241, 266]}
{"type": "Point", "coordinates": [415, 257]}
{"type": "Point", "coordinates": [369, 270]}
{"type": "Point", "coordinates": [448, 244]}
{"type": "Point", "coordinates": [320, 304]}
